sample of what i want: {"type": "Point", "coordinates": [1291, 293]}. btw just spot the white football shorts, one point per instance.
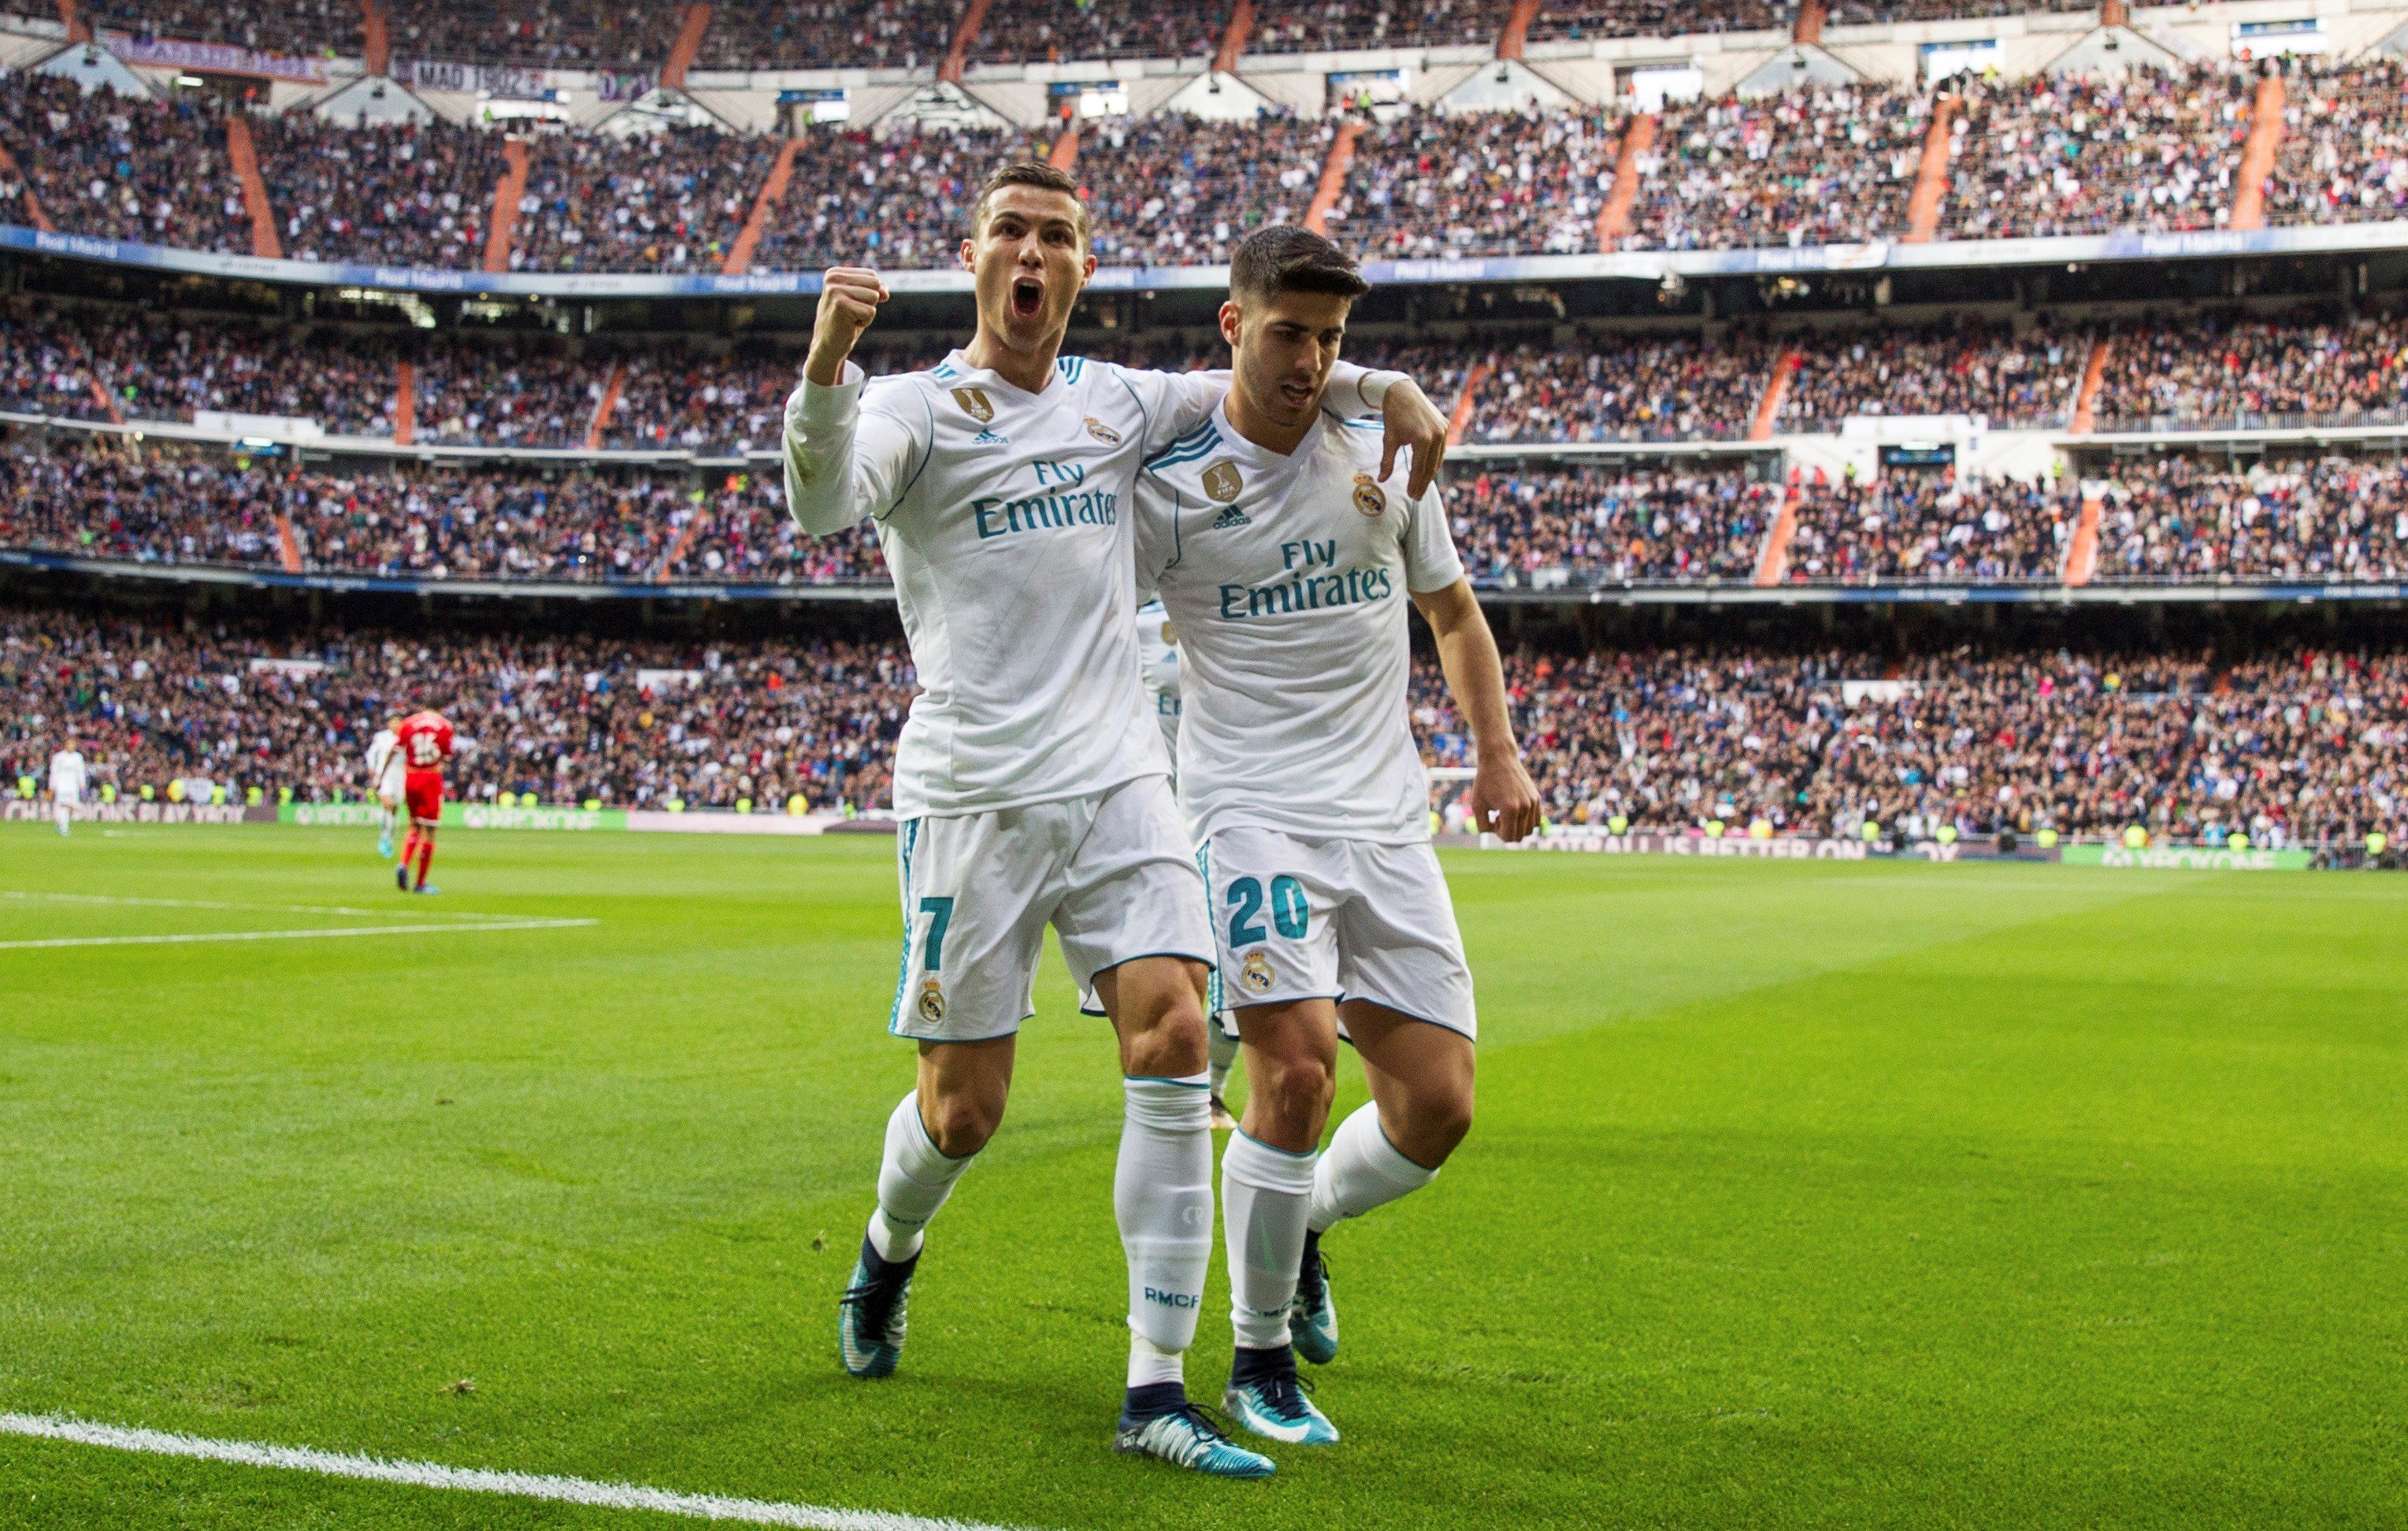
{"type": "Point", "coordinates": [389, 786]}
{"type": "Point", "coordinates": [1113, 874]}
{"type": "Point", "coordinates": [1336, 919]}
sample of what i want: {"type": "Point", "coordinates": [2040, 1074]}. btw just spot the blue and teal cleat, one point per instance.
{"type": "Point", "coordinates": [871, 1315]}
{"type": "Point", "coordinates": [1182, 1436]}
{"type": "Point", "coordinates": [1266, 1398]}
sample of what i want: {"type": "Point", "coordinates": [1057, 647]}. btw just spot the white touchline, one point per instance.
{"type": "Point", "coordinates": [572, 1490]}
{"type": "Point", "coordinates": [486, 927]}
{"type": "Point", "coordinates": [214, 903]}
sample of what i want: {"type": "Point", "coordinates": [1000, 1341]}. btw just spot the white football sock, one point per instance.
{"type": "Point", "coordinates": [386, 818]}
{"type": "Point", "coordinates": [1361, 1169]}
{"type": "Point", "coordinates": [1265, 1196]}
{"type": "Point", "coordinates": [913, 1181]}
{"type": "Point", "coordinates": [1162, 1196]}
{"type": "Point", "coordinates": [1221, 1052]}
{"type": "Point", "coordinates": [64, 816]}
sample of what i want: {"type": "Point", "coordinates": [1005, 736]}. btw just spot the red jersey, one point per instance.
{"type": "Point", "coordinates": [423, 741]}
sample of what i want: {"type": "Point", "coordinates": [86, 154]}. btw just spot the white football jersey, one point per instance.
{"type": "Point", "coordinates": [1004, 518]}
{"type": "Point", "coordinates": [1157, 645]}
{"type": "Point", "coordinates": [380, 751]}
{"type": "Point", "coordinates": [67, 774]}
{"type": "Point", "coordinates": [1287, 579]}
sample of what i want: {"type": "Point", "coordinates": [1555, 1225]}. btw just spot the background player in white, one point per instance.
{"type": "Point", "coordinates": [68, 778]}
{"type": "Point", "coordinates": [384, 779]}
{"type": "Point", "coordinates": [1159, 653]}
{"type": "Point", "coordinates": [1284, 562]}
{"type": "Point", "coordinates": [1030, 789]}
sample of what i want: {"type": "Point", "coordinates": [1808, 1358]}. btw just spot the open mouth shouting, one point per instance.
{"type": "Point", "coordinates": [1296, 393]}
{"type": "Point", "coordinates": [1027, 296]}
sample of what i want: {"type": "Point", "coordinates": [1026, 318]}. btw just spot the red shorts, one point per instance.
{"type": "Point", "coordinates": [423, 792]}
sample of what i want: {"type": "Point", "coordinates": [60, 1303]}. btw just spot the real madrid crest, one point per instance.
{"type": "Point", "coordinates": [1368, 497]}
{"type": "Point", "coordinates": [932, 1000]}
{"type": "Point", "coordinates": [1102, 432]}
{"type": "Point", "coordinates": [1221, 482]}
{"type": "Point", "coordinates": [1255, 973]}
{"type": "Point", "coordinates": [975, 404]}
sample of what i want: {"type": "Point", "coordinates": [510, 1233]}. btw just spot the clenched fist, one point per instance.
{"type": "Point", "coordinates": [849, 300]}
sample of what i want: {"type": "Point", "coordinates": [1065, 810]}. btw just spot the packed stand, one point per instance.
{"type": "Point", "coordinates": [167, 505]}
{"type": "Point", "coordinates": [2344, 157]}
{"type": "Point", "coordinates": [493, 395]}
{"type": "Point", "coordinates": [1428, 184]}
{"type": "Point", "coordinates": [2183, 519]}
{"type": "Point", "coordinates": [122, 167]}
{"type": "Point", "coordinates": [296, 28]}
{"type": "Point", "coordinates": [2029, 379]}
{"type": "Point", "coordinates": [1052, 31]}
{"type": "Point", "coordinates": [2146, 149]}
{"type": "Point", "coordinates": [1650, 388]}
{"type": "Point", "coordinates": [553, 34]}
{"type": "Point", "coordinates": [2233, 371]}
{"type": "Point", "coordinates": [2289, 748]}
{"type": "Point", "coordinates": [162, 368]}
{"type": "Point", "coordinates": [1315, 26]}
{"type": "Point", "coordinates": [390, 194]}
{"type": "Point", "coordinates": [815, 34]}
{"type": "Point", "coordinates": [1830, 164]}
{"type": "Point", "coordinates": [1909, 526]}
{"type": "Point", "coordinates": [893, 200]}
{"type": "Point", "coordinates": [1579, 21]}
{"type": "Point", "coordinates": [1173, 190]}
{"type": "Point", "coordinates": [668, 201]}
{"type": "Point", "coordinates": [1551, 527]}
{"type": "Point", "coordinates": [562, 720]}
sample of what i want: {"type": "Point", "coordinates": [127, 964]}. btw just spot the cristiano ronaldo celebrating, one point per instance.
{"type": "Point", "coordinates": [1030, 786]}
{"type": "Point", "coordinates": [1284, 552]}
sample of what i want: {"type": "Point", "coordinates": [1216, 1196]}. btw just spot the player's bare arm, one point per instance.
{"type": "Point", "coordinates": [1504, 799]}
{"type": "Point", "coordinates": [850, 297]}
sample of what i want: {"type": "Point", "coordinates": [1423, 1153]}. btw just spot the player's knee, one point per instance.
{"type": "Point", "coordinates": [961, 1123]}
{"type": "Point", "coordinates": [1438, 1121]}
{"type": "Point", "coordinates": [1295, 1091]}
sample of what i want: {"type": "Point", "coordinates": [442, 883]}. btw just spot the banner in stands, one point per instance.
{"type": "Point", "coordinates": [135, 811]}
{"type": "Point", "coordinates": [2183, 858]}
{"type": "Point", "coordinates": [214, 58]}
{"type": "Point", "coordinates": [489, 816]}
{"type": "Point", "coordinates": [1636, 265]}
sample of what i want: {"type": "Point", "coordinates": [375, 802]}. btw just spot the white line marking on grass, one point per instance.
{"type": "Point", "coordinates": [189, 938]}
{"type": "Point", "coordinates": [571, 1491]}
{"type": "Point", "coordinates": [214, 903]}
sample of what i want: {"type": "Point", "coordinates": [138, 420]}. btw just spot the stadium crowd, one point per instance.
{"type": "Point", "coordinates": [388, 193]}
{"type": "Point", "coordinates": [168, 505]}
{"type": "Point", "coordinates": [2143, 148]}
{"type": "Point", "coordinates": [1908, 527]}
{"type": "Point", "coordinates": [2344, 157]}
{"type": "Point", "coordinates": [119, 167]}
{"type": "Point", "coordinates": [2013, 379]}
{"type": "Point", "coordinates": [667, 201]}
{"type": "Point", "coordinates": [563, 719]}
{"type": "Point", "coordinates": [2183, 519]}
{"type": "Point", "coordinates": [2222, 371]}
{"type": "Point", "coordinates": [2288, 747]}
{"type": "Point", "coordinates": [1428, 184]}
{"type": "Point", "coordinates": [1830, 164]}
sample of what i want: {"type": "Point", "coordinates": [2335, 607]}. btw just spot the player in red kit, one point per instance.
{"type": "Point", "coordinates": [423, 741]}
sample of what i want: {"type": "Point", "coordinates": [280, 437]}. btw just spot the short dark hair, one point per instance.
{"type": "Point", "coordinates": [1284, 258]}
{"type": "Point", "coordinates": [1036, 173]}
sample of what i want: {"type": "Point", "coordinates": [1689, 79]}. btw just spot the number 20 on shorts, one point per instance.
{"type": "Point", "coordinates": [1290, 915]}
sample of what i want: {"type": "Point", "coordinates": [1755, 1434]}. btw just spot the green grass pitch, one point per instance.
{"type": "Point", "coordinates": [1800, 1194]}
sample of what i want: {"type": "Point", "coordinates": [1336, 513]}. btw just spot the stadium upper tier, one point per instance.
{"type": "Point", "coordinates": [1831, 165]}
{"type": "Point", "coordinates": [2289, 745]}
{"type": "Point", "coordinates": [747, 34]}
{"type": "Point", "coordinates": [2182, 371]}
{"type": "Point", "coordinates": [2170, 520]}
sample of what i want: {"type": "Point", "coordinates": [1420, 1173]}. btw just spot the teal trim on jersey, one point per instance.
{"type": "Point", "coordinates": [1188, 448]}
{"type": "Point", "coordinates": [1177, 544]}
{"type": "Point", "coordinates": [1145, 431]}
{"type": "Point", "coordinates": [1212, 996]}
{"type": "Point", "coordinates": [1366, 422]}
{"type": "Point", "coordinates": [924, 458]}
{"type": "Point", "coordinates": [1184, 1084]}
{"type": "Point", "coordinates": [904, 843]}
{"type": "Point", "coordinates": [943, 369]}
{"type": "Point", "coordinates": [1070, 366]}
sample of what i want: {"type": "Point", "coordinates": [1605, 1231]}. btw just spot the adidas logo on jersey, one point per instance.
{"type": "Point", "coordinates": [1231, 516]}
{"type": "Point", "coordinates": [988, 438]}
